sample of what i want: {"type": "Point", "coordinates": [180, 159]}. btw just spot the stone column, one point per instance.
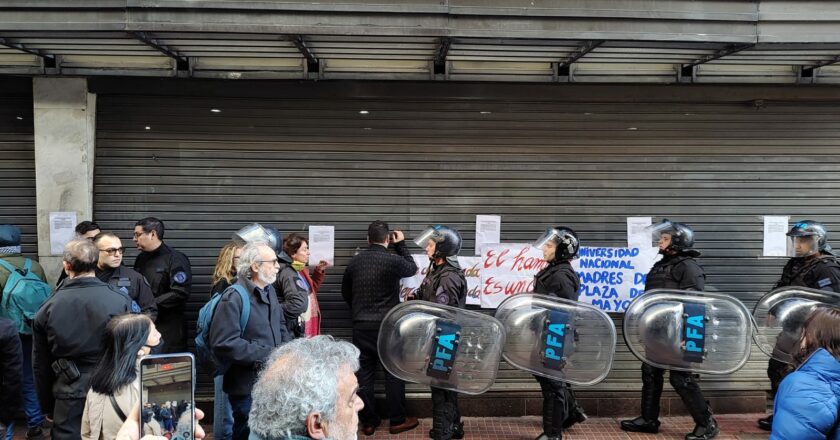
{"type": "Point", "coordinates": [65, 132]}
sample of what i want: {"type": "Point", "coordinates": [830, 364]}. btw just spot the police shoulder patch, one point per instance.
{"type": "Point", "coordinates": [180, 277]}
{"type": "Point", "coordinates": [824, 282]}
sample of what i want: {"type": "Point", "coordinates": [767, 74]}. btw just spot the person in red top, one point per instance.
{"type": "Point", "coordinates": [297, 248]}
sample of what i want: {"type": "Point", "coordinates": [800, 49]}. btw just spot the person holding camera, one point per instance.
{"type": "Point", "coordinates": [371, 287]}
{"type": "Point", "coordinates": [67, 348]}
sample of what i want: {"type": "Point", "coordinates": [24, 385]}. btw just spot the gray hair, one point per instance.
{"type": "Point", "coordinates": [250, 255]}
{"type": "Point", "coordinates": [301, 377]}
{"type": "Point", "coordinates": [82, 255]}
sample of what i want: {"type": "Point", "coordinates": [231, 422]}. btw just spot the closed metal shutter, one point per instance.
{"type": "Point", "coordinates": [17, 161]}
{"type": "Point", "coordinates": [587, 157]}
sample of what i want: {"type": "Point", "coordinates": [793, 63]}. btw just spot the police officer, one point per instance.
{"type": "Point", "coordinates": [676, 270]}
{"type": "Point", "coordinates": [560, 246]}
{"type": "Point", "coordinates": [110, 271]}
{"type": "Point", "coordinates": [67, 336]}
{"type": "Point", "coordinates": [168, 274]}
{"type": "Point", "coordinates": [446, 284]}
{"type": "Point", "coordinates": [813, 266]}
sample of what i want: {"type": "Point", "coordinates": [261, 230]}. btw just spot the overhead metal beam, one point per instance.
{"type": "Point", "coordinates": [726, 51]}
{"type": "Point", "coordinates": [17, 46]}
{"type": "Point", "coordinates": [300, 43]}
{"type": "Point", "coordinates": [581, 52]}
{"type": "Point", "coordinates": [834, 60]}
{"type": "Point", "coordinates": [149, 40]}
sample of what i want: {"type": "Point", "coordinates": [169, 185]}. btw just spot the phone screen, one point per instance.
{"type": "Point", "coordinates": [167, 400]}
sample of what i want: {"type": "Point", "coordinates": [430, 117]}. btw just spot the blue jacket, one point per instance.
{"type": "Point", "coordinates": [808, 400]}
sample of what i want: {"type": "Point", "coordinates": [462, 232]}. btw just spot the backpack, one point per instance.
{"type": "Point", "coordinates": [23, 295]}
{"type": "Point", "coordinates": [204, 352]}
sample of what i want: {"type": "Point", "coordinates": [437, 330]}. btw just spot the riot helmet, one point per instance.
{"type": "Point", "coordinates": [808, 237]}
{"type": "Point", "coordinates": [256, 232]}
{"type": "Point", "coordinates": [682, 236]}
{"type": "Point", "coordinates": [447, 242]}
{"type": "Point", "coordinates": [566, 240]}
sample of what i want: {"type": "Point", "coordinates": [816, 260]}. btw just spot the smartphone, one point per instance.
{"type": "Point", "coordinates": [167, 398]}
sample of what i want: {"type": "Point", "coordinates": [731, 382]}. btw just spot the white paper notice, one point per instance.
{"type": "Point", "coordinates": [62, 230]}
{"type": "Point", "coordinates": [775, 240]}
{"type": "Point", "coordinates": [488, 229]}
{"type": "Point", "coordinates": [637, 235]}
{"type": "Point", "coordinates": [321, 245]}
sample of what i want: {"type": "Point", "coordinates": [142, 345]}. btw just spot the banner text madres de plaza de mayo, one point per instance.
{"type": "Point", "coordinates": [610, 277]}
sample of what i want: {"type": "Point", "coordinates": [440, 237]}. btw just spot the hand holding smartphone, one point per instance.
{"type": "Point", "coordinates": [167, 400]}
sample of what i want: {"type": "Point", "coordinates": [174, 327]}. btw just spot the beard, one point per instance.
{"type": "Point", "coordinates": [267, 278]}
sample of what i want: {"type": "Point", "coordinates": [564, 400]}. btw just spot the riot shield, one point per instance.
{"type": "Point", "coordinates": [441, 346]}
{"type": "Point", "coordinates": [780, 317]}
{"type": "Point", "coordinates": [700, 332]}
{"type": "Point", "coordinates": [557, 338]}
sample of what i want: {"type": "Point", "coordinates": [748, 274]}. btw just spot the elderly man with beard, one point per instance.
{"type": "Point", "coordinates": [308, 391]}
{"type": "Point", "coordinates": [246, 349]}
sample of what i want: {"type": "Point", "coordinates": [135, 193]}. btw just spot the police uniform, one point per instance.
{"type": "Point", "coordinates": [168, 273]}
{"type": "Point", "coordinates": [821, 272]}
{"type": "Point", "coordinates": [680, 272]}
{"type": "Point", "coordinates": [132, 284]}
{"type": "Point", "coordinates": [557, 279]}
{"type": "Point", "coordinates": [67, 335]}
{"type": "Point", "coordinates": [445, 284]}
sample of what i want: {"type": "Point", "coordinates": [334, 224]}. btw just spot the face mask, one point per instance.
{"type": "Point", "coordinates": [298, 266]}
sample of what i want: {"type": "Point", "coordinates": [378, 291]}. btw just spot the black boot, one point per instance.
{"type": "Point", "coordinates": [442, 421]}
{"type": "Point", "coordinates": [766, 423]}
{"type": "Point", "coordinates": [576, 413]}
{"type": "Point", "coordinates": [706, 431]}
{"type": "Point", "coordinates": [546, 437]}
{"type": "Point", "coordinates": [640, 424]}
{"type": "Point", "coordinates": [457, 431]}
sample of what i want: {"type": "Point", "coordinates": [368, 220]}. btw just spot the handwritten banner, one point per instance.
{"type": "Point", "coordinates": [610, 277]}
{"type": "Point", "coordinates": [471, 266]}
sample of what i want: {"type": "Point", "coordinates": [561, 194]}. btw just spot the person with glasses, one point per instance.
{"type": "Point", "coordinates": [109, 270]}
{"type": "Point", "coordinates": [247, 349]}
{"type": "Point", "coordinates": [170, 276]}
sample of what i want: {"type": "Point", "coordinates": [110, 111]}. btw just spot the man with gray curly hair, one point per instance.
{"type": "Point", "coordinates": [246, 348]}
{"type": "Point", "coordinates": [308, 391]}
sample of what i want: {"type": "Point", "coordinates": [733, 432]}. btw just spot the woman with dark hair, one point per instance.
{"type": "Point", "coordinates": [127, 339]}
{"type": "Point", "coordinates": [297, 248]}
{"type": "Point", "coordinates": [808, 399]}
{"type": "Point", "coordinates": [224, 274]}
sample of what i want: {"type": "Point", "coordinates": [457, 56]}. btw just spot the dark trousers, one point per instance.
{"type": "Point", "coordinates": [445, 413]}
{"type": "Point", "coordinates": [365, 341]}
{"type": "Point", "coordinates": [241, 406]}
{"type": "Point", "coordinates": [67, 419]}
{"type": "Point", "coordinates": [776, 371]}
{"type": "Point", "coordinates": [684, 384]}
{"type": "Point", "coordinates": [556, 405]}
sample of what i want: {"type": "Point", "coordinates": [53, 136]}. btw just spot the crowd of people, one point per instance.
{"type": "Point", "coordinates": [74, 359]}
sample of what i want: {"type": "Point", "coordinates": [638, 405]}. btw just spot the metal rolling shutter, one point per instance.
{"type": "Point", "coordinates": [303, 154]}
{"type": "Point", "coordinates": [17, 161]}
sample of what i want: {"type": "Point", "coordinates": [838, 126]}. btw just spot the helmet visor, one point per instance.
{"type": "Point", "coordinates": [657, 229]}
{"type": "Point", "coordinates": [428, 234]}
{"type": "Point", "coordinates": [804, 245]}
{"type": "Point", "coordinates": [550, 234]}
{"type": "Point", "coordinates": [254, 232]}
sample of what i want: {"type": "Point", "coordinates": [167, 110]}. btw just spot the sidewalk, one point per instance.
{"type": "Point", "coordinates": [733, 426]}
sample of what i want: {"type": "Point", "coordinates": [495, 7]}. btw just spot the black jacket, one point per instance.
{"type": "Point", "coordinates": [822, 273]}
{"type": "Point", "coordinates": [266, 330]}
{"type": "Point", "coordinates": [11, 371]}
{"type": "Point", "coordinates": [371, 283]}
{"type": "Point", "coordinates": [444, 284]}
{"type": "Point", "coordinates": [676, 272]}
{"type": "Point", "coordinates": [558, 279]}
{"type": "Point", "coordinates": [169, 275]}
{"type": "Point", "coordinates": [70, 326]}
{"type": "Point", "coordinates": [133, 284]}
{"type": "Point", "coordinates": [291, 293]}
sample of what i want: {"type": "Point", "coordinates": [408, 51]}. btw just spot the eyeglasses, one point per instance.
{"type": "Point", "coordinates": [138, 234]}
{"type": "Point", "coordinates": [273, 262]}
{"type": "Point", "coordinates": [113, 251]}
